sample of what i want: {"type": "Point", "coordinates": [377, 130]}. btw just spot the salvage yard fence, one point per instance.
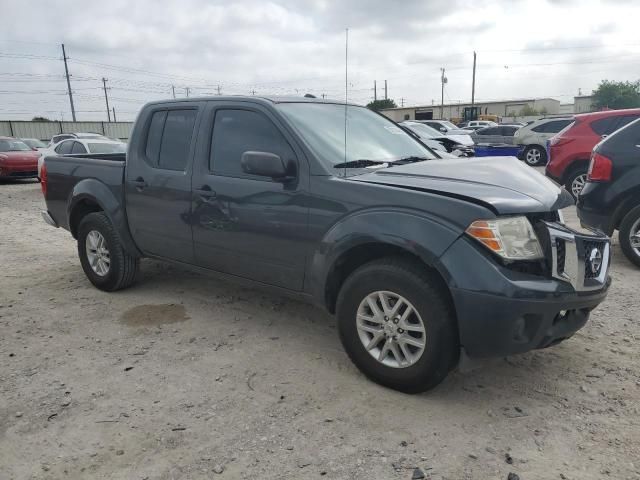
{"type": "Point", "coordinates": [45, 130]}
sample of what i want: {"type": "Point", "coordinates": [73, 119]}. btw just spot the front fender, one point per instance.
{"type": "Point", "coordinates": [424, 236]}
{"type": "Point", "coordinates": [94, 191]}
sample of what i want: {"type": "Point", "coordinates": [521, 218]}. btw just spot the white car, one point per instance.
{"type": "Point", "coordinates": [82, 135]}
{"type": "Point", "coordinates": [423, 129]}
{"type": "Point", "coordinates": [34, 143]}
{"type": "Point", "coordinates": [481, 123]}
{"type": "Point", "coordinates": [75, 146]}
{"type": "Point", "coordinates": [444, 126]}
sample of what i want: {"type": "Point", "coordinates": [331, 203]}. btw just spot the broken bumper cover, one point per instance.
{"type": "Point", "coordinates": [502, 312]}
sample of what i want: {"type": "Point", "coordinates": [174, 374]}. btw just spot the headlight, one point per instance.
{"type": "Point", "coordinates": [512, 238]}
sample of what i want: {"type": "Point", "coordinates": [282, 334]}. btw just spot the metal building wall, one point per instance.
{"type": "Point", "coordinates": [46, 130]}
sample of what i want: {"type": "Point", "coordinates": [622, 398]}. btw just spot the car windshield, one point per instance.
{"type": "Point", "coordinates": [448, 125]}
{"type": "Point", "coordinates": [369, 136]}
{"type": "Point", "coordinates": [34, 143]}
{"type": "Point", "coordinates": [13, 146]}
{"type": "Point", "coordinates": [423, 130]}
{"type": "Point", "coordinates": [107, 147]}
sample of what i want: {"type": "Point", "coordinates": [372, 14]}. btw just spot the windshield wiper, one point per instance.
{"type": "Point", "coordinates": [410, 159]}
{"type": "Point", "coordinates": [362, 163]}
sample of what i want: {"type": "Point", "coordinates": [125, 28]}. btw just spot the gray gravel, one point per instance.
{"type": "Point", "coordinates": [228, 382]}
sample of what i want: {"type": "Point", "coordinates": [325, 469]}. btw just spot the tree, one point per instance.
{"type": "Point", "coordinates": [616, 95]}
{"type": "Point", "coordinates": [528, 111]}
{"type": "Point", "coordinates": [40, 119]}
{"type": "Point", "coordinates": [380, 104]}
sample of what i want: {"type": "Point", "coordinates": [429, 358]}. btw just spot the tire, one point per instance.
{"type": "Point", "coordinates": [575, 181]}
{"type": "Point", "coordinates": [630, 226]}
{"type": "Point", "coordinates": [535, 155]}
{"type": "Point", "coordinates": [121, 268]}
{"type": "Point", "coordinates": [419, 289]}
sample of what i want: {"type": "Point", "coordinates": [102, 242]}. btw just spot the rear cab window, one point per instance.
{"type": "Point", "coordinates": [169, 138]}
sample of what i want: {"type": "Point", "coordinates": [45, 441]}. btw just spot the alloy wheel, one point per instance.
{"type": "Point", "coordinates": [634, 237]}
{"type": "Point", "coordinates": [98, 253]}
{"type": "Point", "coordinates": [533, 156]}
{"type": "Point", "coordinates": [391, 329]}
{"type": "Point", "coordinates": [578, 184]}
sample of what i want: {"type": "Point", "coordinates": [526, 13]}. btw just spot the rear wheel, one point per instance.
{"type": "Point", "coordinates": [630, 235]}
{"type": "Point", "coordinates": [104, 261]}
{"type": "Point", "coordinates": [576, 181]}
{"type": "Point", "coordinates": [535, 155]}
{"type": "Point", "coordinates": [397, 325]}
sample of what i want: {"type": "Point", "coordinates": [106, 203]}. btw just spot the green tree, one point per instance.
{"type": "Point", "coordinates": [380, 104]}
{"type": "Point", "coordinates": [616, 95]}
{"type": "Point", "coordinates": [40, 119]}
{"type": "Point", "coordinates": [528, 111]}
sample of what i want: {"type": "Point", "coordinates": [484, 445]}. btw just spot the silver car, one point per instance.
{"type": "Point", "coordinates": [500, 134]}
{"type": "Point", "coordinates": [534, 137]}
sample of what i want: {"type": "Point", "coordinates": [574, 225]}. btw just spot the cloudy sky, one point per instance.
{"type": "Point", "coordinates": [526, 48]}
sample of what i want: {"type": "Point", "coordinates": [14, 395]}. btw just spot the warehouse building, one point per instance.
{"type": "Point", "coordinates": [502, 108]}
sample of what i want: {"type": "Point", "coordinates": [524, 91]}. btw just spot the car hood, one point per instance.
{"type": "Point", "coordinates": [503, 184]}
{"type": "Point", "coordinates": [464, 139]}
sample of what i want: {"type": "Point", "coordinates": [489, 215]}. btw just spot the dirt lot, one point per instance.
{"type": "Point", "coordinates": [185, 377]}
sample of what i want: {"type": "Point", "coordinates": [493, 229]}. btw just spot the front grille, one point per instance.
{"type": "Point", "coordinates": [562, 254]}
{"type": "Point", "coordinates": [593, 258]}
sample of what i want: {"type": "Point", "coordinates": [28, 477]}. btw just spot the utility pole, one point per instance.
{"type": "Point", "coordinates": [114, 114]}
{"type": "Point", "coordinates": [323, 95]}
{"type": "Point", "coordinates": [443, 80]}
{"type": "Point", "coordinates": [186, 89]}
{"type": "Point", "coordinates": [66, 72]}
{"type": "Point", "coordinates": [473, 87]}
{"type": "Point", "coordinates": [385, 89]}
{"type": "Point", "coordinates": [219, 90]}
{"type": "Point", "coordinates": [402, 102]}
{"type": "Point", "coordinates": [253, 92]}
{"type": "Point", "coordinates": [375, 91]}
{"type": "Point", "coordinates": [106, 98]}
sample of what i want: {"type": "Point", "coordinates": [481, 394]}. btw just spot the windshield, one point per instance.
{"type": "Point", "coordinates": [448, 125]}
{"type": "Point", "coordinates": [13, 146]}
{"type": "Point", "coordinates": [34, 143]}
{"type": "Point", "coordinates": [369, 136]}
{"type": "Point", "coordinates": [422, 130]}
{"type": "Point", "coordinates": [107, 147]}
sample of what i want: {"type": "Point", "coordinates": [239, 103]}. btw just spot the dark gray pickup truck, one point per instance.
{"type": "Point", "coordinates": [423, 260]}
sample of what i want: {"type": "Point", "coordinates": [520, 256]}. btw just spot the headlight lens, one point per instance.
{"type": "Point", "coordinates": [512, 238]}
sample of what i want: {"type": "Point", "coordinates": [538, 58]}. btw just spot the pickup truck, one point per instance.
{"type": "Point", "coordinates": [424, 261]}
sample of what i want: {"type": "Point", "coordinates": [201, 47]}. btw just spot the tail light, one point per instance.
{"type": "Point", "coordinates": [599, 168]}
{"type": "Point", "coordinates": [43, 179]}
{"type": "Point", "coordinates": [557, 141]}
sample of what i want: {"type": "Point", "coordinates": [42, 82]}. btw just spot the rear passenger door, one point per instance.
{"type": "Point", "coordinates": [243, 224]}
{"type": "Point", "coordinates": [158, 181]}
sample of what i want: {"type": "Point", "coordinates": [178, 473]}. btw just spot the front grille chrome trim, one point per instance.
{"type": "Point", "coordinates": [576, 257]}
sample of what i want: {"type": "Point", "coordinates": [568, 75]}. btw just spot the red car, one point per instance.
{"type": "Point", "coordinates": [569, 151]}
{"type": "Point", "coordinates": [17, 159]}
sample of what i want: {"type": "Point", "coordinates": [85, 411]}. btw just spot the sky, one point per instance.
{"type": "Point", "coordinates": [149, 49]}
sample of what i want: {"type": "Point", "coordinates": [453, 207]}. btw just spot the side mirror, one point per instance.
{"type": "Point", "coordinates": [264, 164]}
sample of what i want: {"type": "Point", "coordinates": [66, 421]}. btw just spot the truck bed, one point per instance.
{"type": "Point", "coordinates": [68, 176]}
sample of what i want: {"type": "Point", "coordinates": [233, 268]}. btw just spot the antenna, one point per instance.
{"type": "Point", "coordinates": [346, 93]}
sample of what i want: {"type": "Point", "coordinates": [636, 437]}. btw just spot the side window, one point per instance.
{"type": "Point", "coordinates": [176, 139]}
{"type": "Point", "coordinates": [627, 119]}
{"type": "Point", "coordinates": [78, 148]}
{"type": "Point", "coordinates": [542, 128]}
{"type": "Point", "coordinates": [64, 148]}
{"type": "Point", "coordinates": [604, 126]}
{"type": "Point", "coordinates": [239, 131]}
{"type": "Point", "coordinates": [489, 131]}
{"type": "Point", "coordinates": [509, 131]}
{"type": "Point", "coordinates": [154, 136]}
{"type": "Point", "coordinates": [169, 138]}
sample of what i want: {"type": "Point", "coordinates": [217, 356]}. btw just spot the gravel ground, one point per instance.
{"type": "Point", "coordinates": [186, 377]}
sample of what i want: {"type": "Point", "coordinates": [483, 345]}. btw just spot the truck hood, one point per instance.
{"type": "Point", "coordinates": [503, 184]}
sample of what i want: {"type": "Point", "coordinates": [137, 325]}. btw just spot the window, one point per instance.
{"type": "Point", "coordinates": [64, 148]}
{"type": "Point", "coordinates": [489, 131]}
{"type": "Point", "coordinates": [107, 147]}
{"type": "Point", "coordinates": [239, 131]}
{"type": "Point", "coordinates": [604, 126]}
{"type": "Point", "coordinates": [553, 126]}
{"type": "Point", "coordinates": [508, 131]}
{"type": "Point", "coordinates": [78, 148]}
{"type": "Point", "coordinates": [625, 120]}
{"type": "Point", "coordinates": [169, 138]}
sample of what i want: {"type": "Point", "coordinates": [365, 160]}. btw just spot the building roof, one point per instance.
{"type": "Point", "coordinates": [492, 102]}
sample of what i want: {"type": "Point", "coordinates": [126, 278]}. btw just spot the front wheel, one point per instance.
{"type": "Point", "coordinates": [576, 182]}
{"type": "Point", "coordinates": [535, 155]}
{"type": "Point", "coordinates": [397, 325]}
{"type": "Point", "coordinates": [104, 261]}
{"type": "Point", "coordinates": [630, 235]}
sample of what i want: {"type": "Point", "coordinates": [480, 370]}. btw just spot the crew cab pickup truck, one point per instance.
{"type": "Point", "coordinates": [423, 260]}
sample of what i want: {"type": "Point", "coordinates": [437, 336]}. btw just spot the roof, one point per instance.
{"type": "Point", "coordinates": [608, 113]}
{"type": "Point", "coordinates": [476, 103]}
{"type": "Point", "coordinates": [266, 99]}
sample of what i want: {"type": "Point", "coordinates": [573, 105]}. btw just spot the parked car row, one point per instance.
{"type": "Point", "coordinates": [457, 145]}
{"type": "Point", "coordinates": [610, 199]}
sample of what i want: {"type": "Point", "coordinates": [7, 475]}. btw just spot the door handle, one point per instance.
{"type": "Point", "coordinates": [205, 193]}
{"type": "Point", "coordinates": [139, 183]}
